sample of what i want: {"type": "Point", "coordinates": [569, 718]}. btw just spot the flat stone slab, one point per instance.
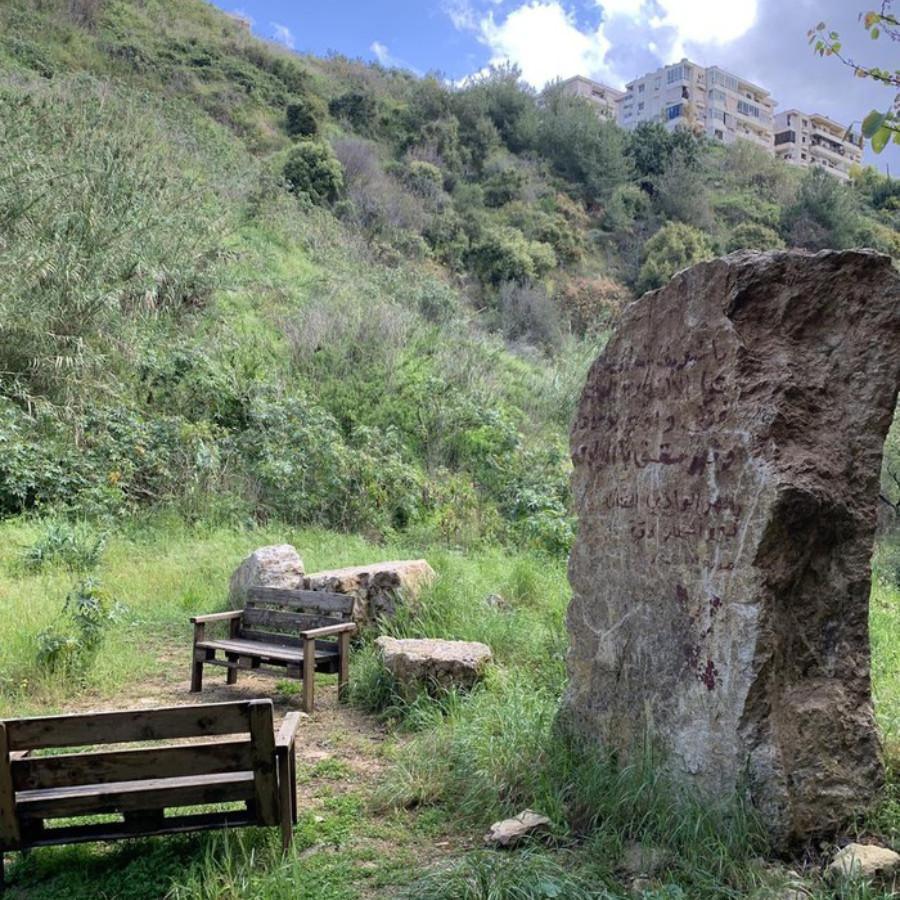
{"type": "Point", "coordinates": [431, 661]}
{"type": "Point", "coordinates": [379, 589]}
{"type": "Point", "coordinates": [727, 452]}
{"type": "Point", "coordinates": [510, 832]}
{"type": "Point", "coordinates": [276, 566]}
{"type": "Point", "coordinates": [863, 861]}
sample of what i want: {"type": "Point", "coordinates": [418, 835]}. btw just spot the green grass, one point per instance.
{"type": "Point", "coordinates": [455, 761]}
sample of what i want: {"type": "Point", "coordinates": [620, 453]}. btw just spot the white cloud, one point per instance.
{"type": "Point", "coordinates": [544, 41]}
{"type": "Point", "coordinates": [282, 34]}
{"type": "Point", "coordinates": [543, 38]}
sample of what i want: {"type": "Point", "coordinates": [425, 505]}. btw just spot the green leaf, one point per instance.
{"type": "Point", "coordinates": [872, 122]}
{"type": "Point", "coordinates": [880, 138]}
{"type": "Point", "coordinates": [875, 32]}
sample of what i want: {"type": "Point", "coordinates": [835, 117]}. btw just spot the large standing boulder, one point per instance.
{"type": "Point", "coordinates": [378, 589]}
{"type": "Point", "coordinates": [277, 566]}
{"type": "Point", "coordinates": [727, 449]}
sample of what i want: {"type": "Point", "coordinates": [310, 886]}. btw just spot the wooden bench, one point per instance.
{"type": "Point", "coordinates": [239, 761]}
{"type": "Point", "coordinates": [302, 632]}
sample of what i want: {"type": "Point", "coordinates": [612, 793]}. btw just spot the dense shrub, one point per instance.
{"type": "Point", "coordinates": [313, 171]}
{"type": "Point", "coordinates": [675, 246]}
{"type": "Point", "coordinates": [300, 118]}
{"type": "Point", "coordinates": [528, 313]}
{"type": "Point", "coordinates": [593, 304]}
{"type": "Point", "coordinates": [355, 107]}
{"type": "Point", "coordinates": [824, 215]}
{"type": "Point", "coordinates": [505, 254]}
{"type": "Point", "coordinates": [753, 236]}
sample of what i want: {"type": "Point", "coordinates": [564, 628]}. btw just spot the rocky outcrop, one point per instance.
{"type": "Point", "coordinates": [428, 661]}
{"type": "Point", "coordinates": [277, 566]}
{"type": "Point", "coordinates": [727, 449]}
{"type": "Point", "coordinates": [378, 589]}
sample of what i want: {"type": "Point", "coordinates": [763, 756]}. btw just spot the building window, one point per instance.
{"type": "Point", "coordinates": [748, 109]}
{"type": "Point", "coordinates": [657, 84]}
{"type": "Point", "coordinates": [640, 89]}
{"type": "Point", "coordinates": [641, 106]}
{"type": "Point", "coordinates": [676, 73]}
{"type": "Point", "coordinates": [673, 112]}
{"type": "Point", "coordinates": [802, 156]}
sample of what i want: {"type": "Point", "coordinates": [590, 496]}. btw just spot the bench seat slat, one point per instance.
{"type": "Point", "coordinates": [264, 650]}
{"type": "Point", "coordinates": [151, 793]}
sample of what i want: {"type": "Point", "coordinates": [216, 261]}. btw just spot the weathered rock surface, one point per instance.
{"type": "Point", "coordinates": [727, 450]}
{"type": "Point", "coordinates": [278, 566]}
{"type": "Point", "coordinates": [863, 861]}
{"type": "Point", "coordinates": [510, 832]}
{"type": "Point", "coordinates": [430, 661]}
{"type": "Point", "coordinates": [378, 589]}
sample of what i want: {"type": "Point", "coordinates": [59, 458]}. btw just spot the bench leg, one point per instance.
{"type": "Point", "coordinates": [309, 674]}
{"type": "Point", "coordinates": [2, 875]}
{"type": "Point", "coordinates": [343, 665]}
{"type": "Point", "coordinates": [196, 676]}
{"type": "Point", "coordinates": [231, 674]}
{"type": "Point", "coordinates": [287, 796]}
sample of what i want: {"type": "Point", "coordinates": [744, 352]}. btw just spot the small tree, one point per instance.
{"type": "Point", "coordinates": [313, 170]}
{"type": "Point", "coordinates": [754, 236]}
{"type": "Point", "coordinates": [674, 247]}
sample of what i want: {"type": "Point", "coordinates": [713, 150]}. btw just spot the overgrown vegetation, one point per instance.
{"type": "Point", "coordinates": [324, 291]}
{"type": "Point", "coordinates": [323, 295]}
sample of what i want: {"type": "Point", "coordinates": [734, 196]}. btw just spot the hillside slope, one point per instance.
{"type": "Point", "coordinates": [246, 284]}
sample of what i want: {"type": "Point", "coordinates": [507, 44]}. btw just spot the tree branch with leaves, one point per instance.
{"type": "Point", "coordinates": [879, 127]}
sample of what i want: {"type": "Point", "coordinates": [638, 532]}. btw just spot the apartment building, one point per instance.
{"type": "Point", "coordinates": [811, 139]}
{"type": "Point", "coordinates": [706, 100]}
{"type": "Point", "coordinates": [605, 98]}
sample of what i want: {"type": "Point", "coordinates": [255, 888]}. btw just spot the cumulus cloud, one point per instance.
{"type": "Point", "coordinates": [544, 38]}
{"type": "Point", "coordinates": [282, 34]}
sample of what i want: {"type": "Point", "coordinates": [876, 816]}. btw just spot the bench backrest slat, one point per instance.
{"type": "Point", "coordinates": [146, 763]}
{"type": "Point", "coordinates": [293, 621]}
{"type": "Point", "coordinates": [340, 606]}
{"type": "Point", "coordinates": [161, 724]}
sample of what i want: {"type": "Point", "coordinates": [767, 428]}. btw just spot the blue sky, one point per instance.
{"type": "Point", "coordinates": [610, 40]}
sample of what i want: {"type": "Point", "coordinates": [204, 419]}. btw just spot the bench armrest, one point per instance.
{"type": "Point", "coordinates": [217, 617]}
{"type": "Point", "coordinates": [288, 730]}
{"type": "Point", "coordinates": [313, 633]}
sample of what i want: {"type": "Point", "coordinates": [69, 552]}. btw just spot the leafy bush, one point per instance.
{"type": "Point", "coordinates": [505, 254]}
{"type": "Point", "coordinates": [753, 236]}
{"type": "Point", "coordinates": [77, 547]}
{"type": "Point", "coordinates": [823, 216]}
{"type": "Point", "coordinates": [627, 203]}
{"type": "Point", "coordinates": [300, 117]}
{"type": "Point", "coordinates": [355, 107]}
{"type": "Point", "coordinates": [593, 304]}
{"type": "Point", "coordinates": [71, 646]}
{"type": "Point", "coordinates": [674, 247]}
{"type": "Point", "coordinates": [313, 171]}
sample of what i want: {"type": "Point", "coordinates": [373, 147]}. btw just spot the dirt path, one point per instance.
{"type": "Point", "coordinates": [342, 756]}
